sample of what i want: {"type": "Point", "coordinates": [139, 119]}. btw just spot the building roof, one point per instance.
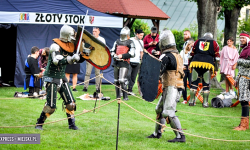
{"type": "Point", "coordinates": [183, 14]}
{"type": "Point", "coordinates": [143, 9]}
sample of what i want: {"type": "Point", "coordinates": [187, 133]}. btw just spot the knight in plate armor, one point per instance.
{"type": "Point", "coordinates": [204, 63]}
{"type": "Point", "coordinates": [123, 49]}
{"type": "Point", "coordinates": [172, 78]}
{"type": "Point", "coordinates": [62, 52]}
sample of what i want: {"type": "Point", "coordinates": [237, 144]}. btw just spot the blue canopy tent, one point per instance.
{"type": "Point", "coordinates": [29, 23]}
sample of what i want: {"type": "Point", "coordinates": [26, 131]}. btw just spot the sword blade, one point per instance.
{"type": "Point", "coordinates": [80, 40]}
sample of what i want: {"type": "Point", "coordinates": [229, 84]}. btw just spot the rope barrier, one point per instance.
{"type": "Point", "coordinates": [86, 80]}
{"type": "Point", "coordinates": [41, 95]}
{"type": "Point", "coordinates": [164, 126]}
{"type": "Point", "coordinates": [87, 111]}
{"type": "Point", "coordinates": [178, 110]}
{"type": "Point", "coordinates": [119, 101]}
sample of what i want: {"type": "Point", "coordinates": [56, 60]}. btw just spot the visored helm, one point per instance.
{"type": "Point", "coordinates": [125, 33]}
{"type": "Point", "coordinates": [67, 34]}
{"type": "Point", "coordinates": [167, 39]}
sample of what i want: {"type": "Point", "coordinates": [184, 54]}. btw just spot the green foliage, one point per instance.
{"type": "Point", "coordinates": [139, 24]}
{"type": "Point", "coordinates": [229, 5]}
{"type": "Point", "coordinates": [243, 26]}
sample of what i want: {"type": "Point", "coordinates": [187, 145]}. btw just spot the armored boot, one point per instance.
{"type": "Point", "coordinates": [205, 99]}
{"type": "Point", "coordinates": [192, 97]}
{"type": "Point", "coordinates": [175, 124]}
{"type": "Point", "coordinates": [244, 124]}
{"type": "Point", "coordinates": [158, 129]}
{"type": "Point", "coordinates": [71, 122]}
{"type": "Point", "coordinates": [40, 121]}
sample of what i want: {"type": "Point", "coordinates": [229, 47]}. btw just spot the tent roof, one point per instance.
{"type": "Point", "coordinates": [143, 9]}
{"type": "Point", "coordinates": [48, 6]}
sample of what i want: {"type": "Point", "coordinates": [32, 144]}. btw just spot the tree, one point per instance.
{"type": "Point", "coordinates": [208, 11]}
{"type": "Point", "coordinates": [231, 9]}
{"type": "Point", "coordinates": [207, 15]}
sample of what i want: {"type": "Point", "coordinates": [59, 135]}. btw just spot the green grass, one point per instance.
{"type": "Point", "coordinates": [98, 130]}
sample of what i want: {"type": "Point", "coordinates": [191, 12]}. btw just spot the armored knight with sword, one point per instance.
{"type": "Point", "coordinates": [123, 49]}
{"type": "Point", "coordinates": [62, 52]}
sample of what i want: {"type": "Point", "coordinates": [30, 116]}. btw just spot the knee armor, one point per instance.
{"type": "Point", "coordinates": [70, 108]}
{"type": "Point", "coordinates": [48, 110]}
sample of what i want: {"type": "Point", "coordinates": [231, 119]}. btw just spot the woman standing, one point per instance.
{"type": "Point", "coordinates": [228, 61]}
{"type": "Point", "coordinates": [185, 54]}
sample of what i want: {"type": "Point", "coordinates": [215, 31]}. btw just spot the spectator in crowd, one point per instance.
{"type": "Point", "coordinates": [228, 61]}
{"type": "Point", "coordinates": [33, 73]}
{"type": "Point", "coordinates": [243, 81]}
{"type": "Point", "coordinates": [89, 67]}
{"type": "Point", "coordinates": [187, 37]}
{"type": "Point", "coordinates": [204, 62]}
{"type": "Point", "coordinates": [135, 62]}
{"type": "Point", "coordinates": [73, 69]}
{"type": "Point", "coordinates": [150, 41]}
{"type": "Point", "coordinates": [185, 56]}
{"type": "Point", "coordinates": [43, 57]}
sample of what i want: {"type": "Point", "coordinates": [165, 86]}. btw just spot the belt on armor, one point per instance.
{"type": "Point", "coordinates": [127, 60]}
{"type": "Point", "coordinates": [245, 77]}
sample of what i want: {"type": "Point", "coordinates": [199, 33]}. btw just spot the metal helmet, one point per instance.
{"type": "Point", "coordinates": [167, 39]}
{"type": "Point", "coordinates": [125, 33]}
{"type": "Point", "coordinates": [209, 35]}
{"type": "Point", "coordinates": [67, 34]}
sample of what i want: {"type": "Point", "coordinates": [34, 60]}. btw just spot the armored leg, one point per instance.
{"type": "Point", "coordinates": [50, 105]}
{"type": "Point", "coordinates": [70, 105]}
{"type": "Point", "coordinates": [205, 83]}
{"type": "Point", "coordinates": [40, 121]}
{"type": "Point", "coordinates": [51, 89]}
{"type": "Point", "coordinates": [169, 108]}
{"type": "Point", "coordinates": [192, 97]}
{"type": "Point", "coordinates": [194, 86]}
{"type": "Point", "coordinates": [47, 111]}
{"type": "Point", "coordinates": [169, 104]}
{"type": "Point", "coordinates": [123, 80]}
{"type": "Point", "coordinates": [179, 95]}
{"type": "Point", "coordinates": [157, 133]}
{"type": "Point", "coordinates": [71, 122]}
{"type": "Point", "coordinates": [205, 99]}
{"type": "Point", "coordinates": [175, 124]}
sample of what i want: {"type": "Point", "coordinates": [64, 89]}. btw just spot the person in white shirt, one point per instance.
{"type": "Point", "coordinates": [89, 66]}
{"type": "Point", "coordinates": [135, 62]}
{"type": "Point", "coordinates": [185, 56]}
